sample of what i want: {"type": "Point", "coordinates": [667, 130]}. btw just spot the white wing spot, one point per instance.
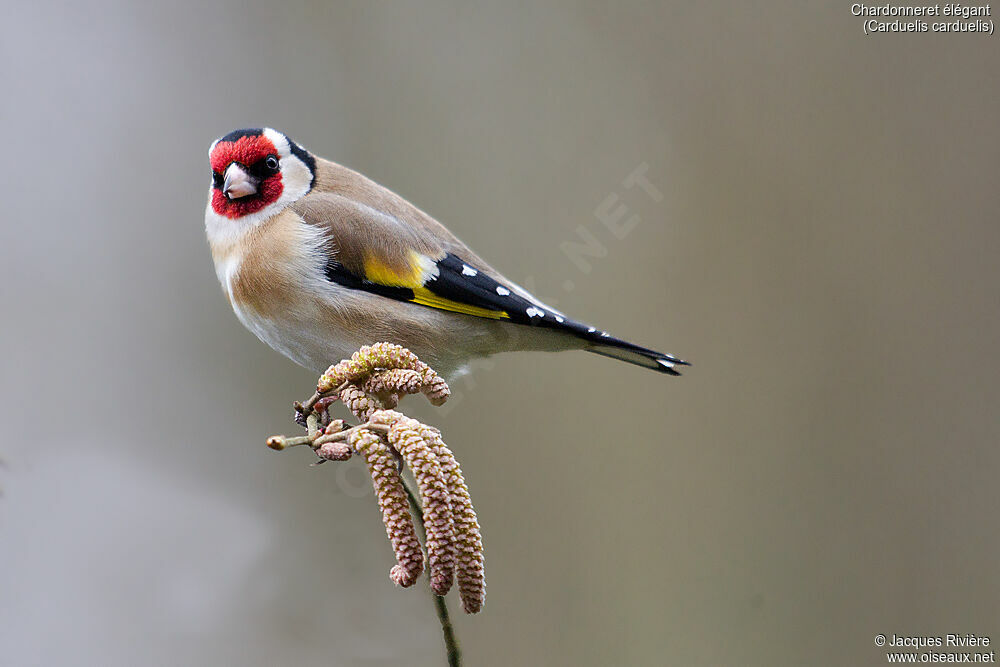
{"type": "Point", "coordinates": [534, 312]}
{"type": "Point", "coordinates": [591, 330]}
{"type": "Point", "coordinates": [503, 291]}
{"type": "Point", "coordinates": [605, 334]}
{"type": "Point", "coordinates": [468, 270]}
{"type": "Point", "coordinates": [559, 319]}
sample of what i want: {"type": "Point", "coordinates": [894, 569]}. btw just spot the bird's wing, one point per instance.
{"type": "Point", "coordinates": [423, 264]}
{"type": "Point", "coordinates": [420, 262]}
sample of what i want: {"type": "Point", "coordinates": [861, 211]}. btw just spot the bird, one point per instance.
{"type": "Point", "coordinates": [318, 260]}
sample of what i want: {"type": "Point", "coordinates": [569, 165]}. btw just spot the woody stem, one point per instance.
{"type": "Point", "coordinates": [451, 645]}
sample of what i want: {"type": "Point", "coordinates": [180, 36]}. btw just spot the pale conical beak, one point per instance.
{"type": "Point", "coordinates": [238, 183]}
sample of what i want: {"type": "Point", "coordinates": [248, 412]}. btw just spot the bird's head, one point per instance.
{"type": "Point", "coordinates": [255, 174]}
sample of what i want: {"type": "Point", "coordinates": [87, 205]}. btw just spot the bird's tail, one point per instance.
{"type": "Point", "coordinates": [603, 343]}
{"type": "Point", "coordinates": [635, 354]}
{"type": "Point", "coordinates": [536, 314]}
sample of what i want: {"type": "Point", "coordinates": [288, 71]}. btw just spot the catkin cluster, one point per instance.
{"type": "Point", "coordinates": [370, 384]}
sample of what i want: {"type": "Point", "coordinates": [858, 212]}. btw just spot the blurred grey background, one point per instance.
{"type": "Point", "coordinates": [825, 251]}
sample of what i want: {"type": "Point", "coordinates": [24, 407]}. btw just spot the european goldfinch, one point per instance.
{"type": "Point", "coordinates": [318, 260]}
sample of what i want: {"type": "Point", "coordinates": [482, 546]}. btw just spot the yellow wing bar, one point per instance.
{"type": "Point", "coordinates": [425, 297]}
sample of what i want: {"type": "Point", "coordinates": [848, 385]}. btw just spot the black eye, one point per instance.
{"type": "Point", "coordinates": [271, 162]}
{"type": "Point", "coordinates": [216, 179]}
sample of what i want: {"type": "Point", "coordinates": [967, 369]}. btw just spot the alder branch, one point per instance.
{"type": "Point", "coordinates": [371, 383]}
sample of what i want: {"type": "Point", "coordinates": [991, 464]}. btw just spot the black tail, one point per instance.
{"type": "Point", "coordinates": [634, 354]}
{"type": "Point", "coordinates": [601, 342]}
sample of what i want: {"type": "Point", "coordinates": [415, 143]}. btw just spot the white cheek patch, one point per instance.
{"type": "Point", "coordinates": [296, 177]}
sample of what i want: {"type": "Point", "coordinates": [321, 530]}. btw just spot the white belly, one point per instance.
{"type": "Point", "coordinates": [304, 343]}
